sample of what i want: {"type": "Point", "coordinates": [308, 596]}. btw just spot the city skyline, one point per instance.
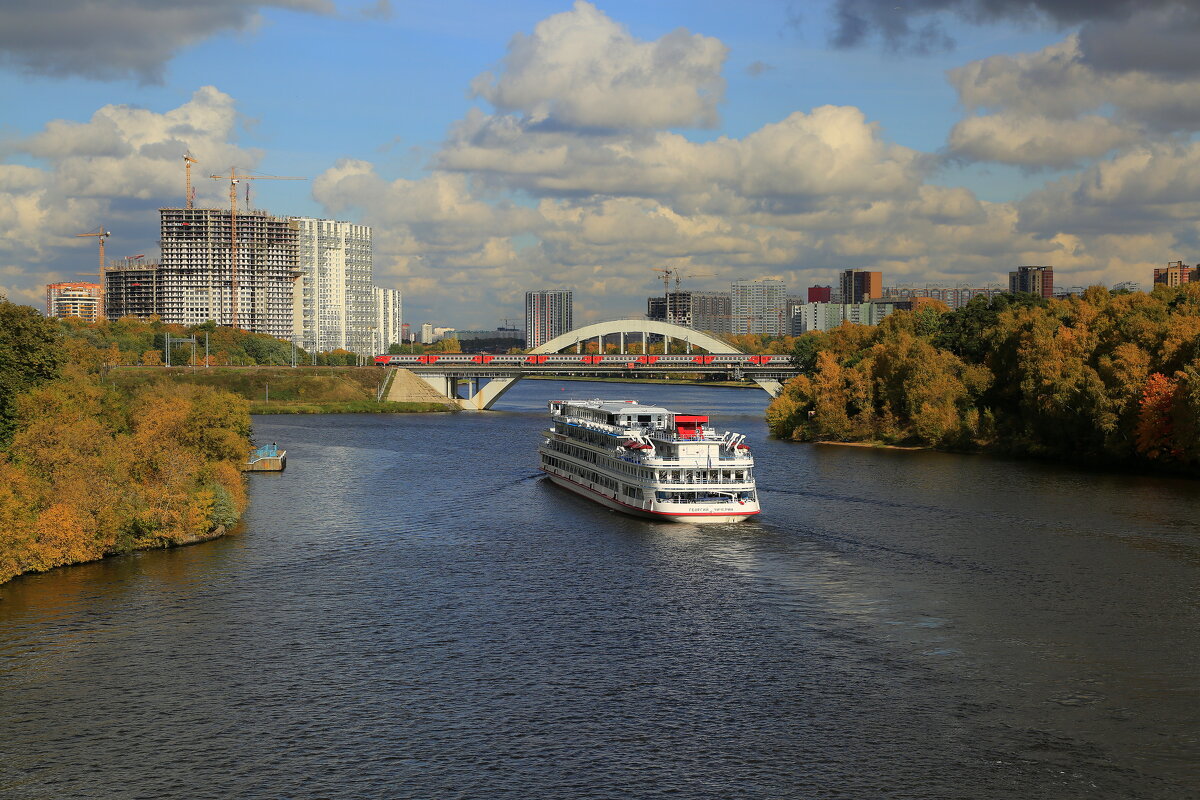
{"type": "Point", "coordinates": [585, 144]}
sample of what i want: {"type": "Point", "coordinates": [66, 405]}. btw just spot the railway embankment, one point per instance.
{"type": "Point", "coordinates": [289, 390]}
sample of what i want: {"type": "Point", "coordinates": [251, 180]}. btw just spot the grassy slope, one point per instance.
{"type": "Point", "coordinates": [302, 390]}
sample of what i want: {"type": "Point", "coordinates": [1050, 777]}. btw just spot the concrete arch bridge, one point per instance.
{"type": "Point", "coordinates": [476, 381]}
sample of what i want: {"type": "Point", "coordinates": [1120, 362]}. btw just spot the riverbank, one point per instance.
{"type": "Point", "coordinates": [875, 445]}
{"type": "Point", "coordinates": [353, 407]}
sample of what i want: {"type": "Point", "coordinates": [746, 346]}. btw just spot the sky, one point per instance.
{"type": "Point", "coordinates": [498, 148]}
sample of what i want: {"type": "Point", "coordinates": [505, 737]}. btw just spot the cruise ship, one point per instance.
{"type": "Point", "coordinates": [648, 461]}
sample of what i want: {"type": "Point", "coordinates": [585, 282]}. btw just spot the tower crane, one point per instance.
{"type": "Point", "coordinates": [189, 196]}
{"type": "Point", "coordinates": [667, 272]}
{"type": "Point", "coordinates": [679, 317]}
{"type": "Point", "coordinates": [100, 235]}
{"type": "Point", "coordinates": [234, 177]}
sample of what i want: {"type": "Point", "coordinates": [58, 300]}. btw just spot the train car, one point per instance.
{"type": "Point", "coordinates": [560, 360]}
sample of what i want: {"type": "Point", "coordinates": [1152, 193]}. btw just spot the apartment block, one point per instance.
{"type": "Point", "coordinates": [132, 289]}
{"type": "Point", "coordinates": [1176, 273]}
{"type": "Point", "coordinates": [548, 313]}
{"type": "Point", "coordinates": [1033, 280]}
{"type": "Point", "coordinates": [954, 297]}
{"type": "Point", "coordinates": [334, 303]}
{"type": "Point", "coordinates": [197, 269]}
{"type": "Point", "coordinates": [758, 307]}
{"type": "Point", "coordinates": [75, 299]}
{"type": "Point", "coordinates": [389, 325]}
{"type": "Point", "coordinates": [860, 285]}
{"type": "Point", "coordinates": [826, 316]}
{"type": "Point", "coordinates": [704, 311]}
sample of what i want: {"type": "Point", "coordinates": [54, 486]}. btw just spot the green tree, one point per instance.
{"type": "Point", "coordinates": [30, 353]}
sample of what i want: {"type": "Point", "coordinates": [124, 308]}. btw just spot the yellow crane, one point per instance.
{"type": "Point", "coordinates": [189, 197]}
{"type": "Point", "coordinates": [234, 177]}
{"type": "Point", "coordinates": [100, 235]}
{"type": "Point", "coordinates": [667, 272]}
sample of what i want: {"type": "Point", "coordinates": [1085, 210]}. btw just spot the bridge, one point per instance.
{"type": "Point", "coordinates": [484, 380]}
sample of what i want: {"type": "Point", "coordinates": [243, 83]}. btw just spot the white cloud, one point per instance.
{"type": "Point", "coordinates": [1037, 141]}
{"type": "Point", "coordinates": [1144, 190]}
{"type": "Point", "coordinates": [1055, 108]}
{"type": "Point", "coordinates": [113, 170]}
{"type": "Point", "coordinates": [580, 69]}
{"type": "Point", "coordinates": [803, 158]}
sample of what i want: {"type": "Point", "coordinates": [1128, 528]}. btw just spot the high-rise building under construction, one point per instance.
{"type": "Point", "coordinates": [197, 275]}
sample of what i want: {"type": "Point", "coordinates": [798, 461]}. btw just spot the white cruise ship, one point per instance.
{"type": "Point", "coordinates": [648, 461]}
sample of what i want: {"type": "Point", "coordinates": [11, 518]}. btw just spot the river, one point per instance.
{"type": "Point", "coordinates": [410, 611]}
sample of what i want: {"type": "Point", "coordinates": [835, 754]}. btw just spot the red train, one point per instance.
{"type": "Point", "coordinates": [575, 359]}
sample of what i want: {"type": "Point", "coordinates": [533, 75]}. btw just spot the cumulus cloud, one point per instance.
{"type": "Point", "coordinates": [1148, 188]}
{"type": "Point", "coordinates": [1037, 141]}
{"type": "Point", "coordinates": [1052, 108]}
{"type": "Point", "coordinates": [833, 150]}
{"type": "Point", "coordinates": [121, 38]}
{"type": "Point", "coordinates": [579, 69]}
{"type": "Point", "coordinates": [113, 170]}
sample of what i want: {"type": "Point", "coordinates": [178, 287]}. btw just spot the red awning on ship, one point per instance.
{"type": "Point", "coordinates": [688, 426]}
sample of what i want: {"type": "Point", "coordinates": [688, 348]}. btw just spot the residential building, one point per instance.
{"type": "Point", "coordinates": [389, 327]}
{"type": "Point", "coordinates": [1033, 280]}
{"type": "Point", "coordinates": [1127, 286]}
{"type": "Point", "coordinates": [427, 333]}
{"type": "Point", "coordinates": [515, 335]}
{"type": "Point", "coordinates": [132, 289]}
{"type": "Point", "coordinates": [955, 297]}
{"type": "Point", "coordinates": [196, 272]}
{"type": "Point", "coordinates": [75, 299]}
{"type": "Point", "coordinates": [1176, 273]}
{"type": "Point", "coordinates": [548, 313]}
{"type": "Point", "coordinates": [334, 301]}
{"type": "Point", "coordinates": [705, 311]}
{"type": "Point", "coordinates": [860, 285]}
{"type": "Point", "coordinates": [758, 307]}
{"type": "Point", "coordinates": [819, 294]}
{"type": "Point", "coordinates": [826, 316]}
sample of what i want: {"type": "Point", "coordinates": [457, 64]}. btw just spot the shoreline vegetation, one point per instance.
{"type": "Point", "coordinates": [89, 468]}
{"type": "Point", "coordinates": [1106, 378]}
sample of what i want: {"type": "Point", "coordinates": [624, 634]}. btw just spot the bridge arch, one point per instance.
{"type": "Point", "coordinates": [637, 327]}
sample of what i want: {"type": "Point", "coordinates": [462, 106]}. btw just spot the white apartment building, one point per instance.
{"type": "Point", "coordinates": [548, 313]}
{"type": "Point", "coordinates": [75, 299]}
{"type": "Point", "coordinates": [759, 307]}
{"type": "Point", "coordinates": [388, 319]}
{"type": "Point", "coordinates": [335, 304]}
{"type": "Point", "coordinates": [826, 316]}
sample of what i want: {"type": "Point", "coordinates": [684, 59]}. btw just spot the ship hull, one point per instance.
{"type": "Point", "coordinates": [663, 515]}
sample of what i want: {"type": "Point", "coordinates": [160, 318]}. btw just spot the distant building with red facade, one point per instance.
{"type": "Point", "coordinates": [75, 299]}
{"type": "Point", "coordinates": [1176, 273]}
{"type": "Point", "coordinates": [820, 294]}
{"type": "Point", "coordinates": [1033, 280]}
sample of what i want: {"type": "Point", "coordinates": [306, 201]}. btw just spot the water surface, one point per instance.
{"type": "Point", "coordinates": [411, 611]}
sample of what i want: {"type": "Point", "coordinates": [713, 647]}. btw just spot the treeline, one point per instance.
{"type": "Point", "coordinates": [130, 341]}
{"type": "Point", "coordinates": [1106, 377]}
{"type": "Point", "coordinates": [87, 470]}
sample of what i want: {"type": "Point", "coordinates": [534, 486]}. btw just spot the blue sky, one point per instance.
{"type": "Point", "coordinates": [499, 149]}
